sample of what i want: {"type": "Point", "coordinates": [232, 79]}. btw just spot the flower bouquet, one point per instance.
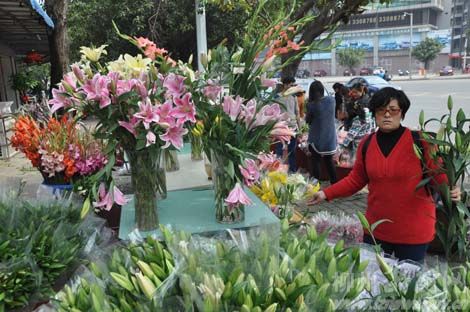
{"type": "Point", "coordinates": [142, 104]}
{"type": "Point", "coordinates": [62, 153]}
{"type": "Point", "coordinates": [274, 186]}
{"type": "Point", "coordinates": [235, 104]}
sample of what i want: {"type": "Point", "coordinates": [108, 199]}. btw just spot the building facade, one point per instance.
{"type": "Point", "coordinates": [386, 33]}
{"type": "Point", "coordinates": [460, 25]}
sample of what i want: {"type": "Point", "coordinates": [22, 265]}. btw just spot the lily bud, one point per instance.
{"type": "Point", "coordinates": [146, 285]}
{"type": "Point", "coordinates": [385, 268]}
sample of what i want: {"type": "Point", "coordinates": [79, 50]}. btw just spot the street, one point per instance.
{"type": "Point", "coordinates": [431, 96]}
{"type": "Point", "coordinates": [428, 95]}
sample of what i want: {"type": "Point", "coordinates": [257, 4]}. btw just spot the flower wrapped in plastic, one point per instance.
{"type": "Point", "coordinates": [340, 227]}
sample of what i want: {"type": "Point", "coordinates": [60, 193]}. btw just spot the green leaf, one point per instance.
{"type": "Point", "coordinates": [230, 169]}
{"type": "Point", "coordinates": [376, 224]}
{"type": "Point", "coordinates": [411, 291]}
{"type": "Point", "coordinates": [423, 183]}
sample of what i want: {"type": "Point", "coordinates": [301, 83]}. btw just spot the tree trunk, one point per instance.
{"type": "Point", "coordinates": [58, 41]}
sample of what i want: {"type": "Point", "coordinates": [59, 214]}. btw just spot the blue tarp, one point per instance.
{"type": "Point", "coordinates": [38, 8]}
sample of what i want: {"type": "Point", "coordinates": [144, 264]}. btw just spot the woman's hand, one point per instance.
{"type": "Point", "coordinates": [318, 197]}
{"type": "Point", "coordinates": [455, 194]}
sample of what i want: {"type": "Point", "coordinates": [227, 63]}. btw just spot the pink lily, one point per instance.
{"type": "Point", "coordinates": [184, 108]}
{"type": "Point", "coordinates": [250, 172]}
{"type": "Point", "coordinates": [148, 113]}
{"type": "Point", "coordinates": [238, 196]}
{"type": "Point", "coordinates": [131, 125]}
{"type": "Point", "coordinates": [232, 107]}
{"type": "Point", "coordinates": [165, 112]}
{"type": "Point", "coordinates": [140, 87]}
{"type": "Point", "coordinates": [174, 135]}
{"type": "Point", "coordinates": [96, 89]}
{"type": "Point", "coordinates": [248, 112]}
{"type": "Point", "coordinates": [174, 85]}
{"type": "Point", "coordinates": [78, 73]}
{"type": "Point", "coordinates": [123, 86]}
{"type": "Point", "coordinates": [268, 83]}
{"type": "Point", "coordinates": [212, 91]}
{"type": "Point", "coordinates": [268, 161]}
{"type": "Point", "coordinates": [108, 199]}
{"type": "Point", "coordinates": [60, 98]}
{"type": "Point", "coordinates": [281, 132]}
{"type": "Point", "coordinates": [70, 80]}
{"type": "Point", "coordinates": [150, 138]}
{"type": "Point", "coordinates": [267, 114]}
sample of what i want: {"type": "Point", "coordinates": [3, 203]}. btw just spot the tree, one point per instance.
{"type": "Point", "coordinates": [427, 50]}
{"type": "Point", "coordinates": [350, 57]}
{"type": "Point", "coordinates": [171, 24]}
{"type": "Point", "coordinates": [58, 43]}
{"type": "Point", "coordinates": [328, 16]}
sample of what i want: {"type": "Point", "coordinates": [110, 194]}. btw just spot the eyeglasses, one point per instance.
{"type": "Point", "coordinates": [393, 111]}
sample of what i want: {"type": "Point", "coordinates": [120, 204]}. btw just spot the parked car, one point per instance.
{"type": "Point", "coordinates": [305, 84]}
{"type": "Point", "coordinates": [403, 72]}
{"type": "Point", "coordinates": [373, 83]}
{"type": "Point", "coordinates": [446, 71]}
{"type": "Point", "coordinates": [365, 71]}
{"type": "Point", "coordinates": [349, 72]}
{"type": "Point", "coordinates": [319, 73]}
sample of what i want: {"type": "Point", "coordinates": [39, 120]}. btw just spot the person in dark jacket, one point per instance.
{"type": "Point", "coordinates": [322, 131]}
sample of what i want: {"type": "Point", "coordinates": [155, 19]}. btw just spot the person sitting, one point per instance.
{"type": "Point", "coordinates": [392, 171]}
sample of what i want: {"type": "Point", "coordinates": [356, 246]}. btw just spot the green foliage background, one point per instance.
{"type": "Point", "coordinates": [171, 24]}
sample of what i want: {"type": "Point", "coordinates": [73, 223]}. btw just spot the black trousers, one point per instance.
{"type": "Point", "coordinates": [316, 162]}
{"type": "Point", "coordinates": [401, 251]}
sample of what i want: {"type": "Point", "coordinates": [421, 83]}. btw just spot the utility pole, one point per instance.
{"type": "Point", "coordinates": [411, 39]}
{"type": "Point", "coordinates": [201, 34]}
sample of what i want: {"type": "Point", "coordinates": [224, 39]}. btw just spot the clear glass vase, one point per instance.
{"type": "Point", "coordinates": [148, 179]}
{"type": "Point", "coordinates": [196, 148]}
{"type": "Point", "coordinates": [171, 160]}
{"type": "Point", "coordinates": [223, 184]}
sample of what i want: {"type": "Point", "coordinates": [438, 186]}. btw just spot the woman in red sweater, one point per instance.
{"type": "Point", "coordinates": [392, 171]}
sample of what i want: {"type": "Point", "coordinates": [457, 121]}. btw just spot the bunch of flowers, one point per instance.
{"type": "Point", "coordinates": [339, 227]}
{"type": "Point", "coordinates": [269, 180]}
{"type": "Point", "coordinates": [236, 102]}
{"type": "Point", "coordinates": [142, 103]}
{"type": "Point", "coordinates": [58, 149]}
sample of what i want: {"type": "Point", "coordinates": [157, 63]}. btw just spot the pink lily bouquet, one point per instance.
{"type": "Point", "coordinates": [235, 102]}
{"type": "Point", "coordinates": [142, 104]}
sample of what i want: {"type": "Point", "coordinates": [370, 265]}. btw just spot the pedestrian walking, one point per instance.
{"type": "Point", "coordinates": [387, 164]}
{"type": "Point", "coordinates": [322, 131]}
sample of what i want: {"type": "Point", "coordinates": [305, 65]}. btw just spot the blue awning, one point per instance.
{"type": "Point", "coordinates": [38, 8]}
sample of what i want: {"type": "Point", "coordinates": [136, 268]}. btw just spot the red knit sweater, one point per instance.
{"type": "Point", "coordinates": [392, 195]}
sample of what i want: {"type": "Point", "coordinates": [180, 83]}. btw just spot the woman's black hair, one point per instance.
{"type": "Point", "coordinates": [337, 85]}
{"type": "Point", "coordinates": [383, 97]}
{"type": "Point", "coordinates": [315, 91]}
